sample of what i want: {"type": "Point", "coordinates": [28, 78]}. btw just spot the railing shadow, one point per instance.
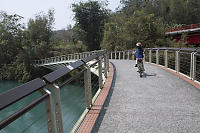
{"type": "Point", "coordinates": [106, 104]}
{"type": "Point", "coordinates": [145, 75]}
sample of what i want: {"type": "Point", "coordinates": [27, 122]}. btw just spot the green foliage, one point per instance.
{"type": "Point", "coordinates": [90, 18]}
{"type": "Point", "coordinates": [65, 47]}
{"type": "Point", "coordinates": [10, 37]}
{"type": "Point", "coordinates": [38, 35]}
{"type": "Point", "coordinates": [146, 21]}
{"type": "Point", "coordinates": [19, 46]}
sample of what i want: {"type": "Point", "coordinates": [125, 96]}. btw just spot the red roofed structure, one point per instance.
{"type": "Point", "coordinates": [192, 31]}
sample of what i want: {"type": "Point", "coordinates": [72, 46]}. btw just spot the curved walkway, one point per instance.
{"type": "Point", "coordinates": [160, 102]}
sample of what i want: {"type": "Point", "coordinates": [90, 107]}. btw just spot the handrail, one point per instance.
{"type": "Point", "coordinates": [53, 76]}
{"type": "Point", "coordinates": [169, 48]}
{"type": "Point", "coordinates": [72, 57]}
{"type": "Point", "coordinates": [15, 94]}
{"type": "Point", "coordinates": [22, 111]}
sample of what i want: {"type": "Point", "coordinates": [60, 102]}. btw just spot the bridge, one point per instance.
{"type": "Point", "coordinates": [165, 99]}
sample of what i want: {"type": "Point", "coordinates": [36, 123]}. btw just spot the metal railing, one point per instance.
{"type": "Point", "coordinates": [50, 85]}
{"type": "Point", "coordinates": [185, 61]}
{"type": "Point", "coordinates": [64, 58]}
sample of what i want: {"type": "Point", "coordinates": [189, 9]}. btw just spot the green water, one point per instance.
{"type": "Point", "coordinates": [34, 121]}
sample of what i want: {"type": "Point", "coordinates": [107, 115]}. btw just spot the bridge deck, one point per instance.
{"type": "Point", "coordinates": [158, 102]}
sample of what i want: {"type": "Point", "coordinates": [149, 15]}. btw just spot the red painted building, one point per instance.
{"type": "Point", "coordinates": [192, 31]}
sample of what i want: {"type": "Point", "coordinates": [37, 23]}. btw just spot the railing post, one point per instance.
{"type": "Point", "coordinates": [62, 58]}
{"type": "Point", "coordinates": [107, 62]}
{"type": "Point", "coordinates": [177, 66]}
{"type": "Point", "coordinates": [144, 56]}
{"type": "Point", "coordinates": [157, 57]}
{"type": "Point", "coordinates": [166, 58]}
{"type": "Point", "coordinates": [133, 56]}
{"type": "Point", "coordinates": [111, 55]}
{"type": "Point", "coordinates": [105, 66]}
{"type": "Point", "coordinates": [194, 67]}
{"type": "Point", "coordinates": [191, 64]}
{"type": "Point", "coordinates": [49, 111]}
{"type": "Point", "coordinates": [115, 55]}
{"type": "Point", "coordinates": [100, 72]}
{"type": "Point", "coordinates": [150, 53]}
{"type": "Point", "coordinates": [128, 55]}
{"type": "Point", "coordinates": [123, 55]}
{"type": "Point", "coordinates": [74, 56]}
{"type": "Point", "coordinates": [57, 101]}
{"type": "Point", "coordinates": [119, 55]}
{"type": "Point", "coordinates": [88, 87]}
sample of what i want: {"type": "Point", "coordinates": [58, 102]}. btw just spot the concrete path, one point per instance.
{"type": "Point", "coordinates": [160, 102]}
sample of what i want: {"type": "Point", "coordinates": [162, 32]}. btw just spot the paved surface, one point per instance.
{"type": "Point", "coordinates": [160, 102]}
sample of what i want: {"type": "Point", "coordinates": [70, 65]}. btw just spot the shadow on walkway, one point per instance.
{"type": "Point", "coordinates": [148, 75]}
{"type": "Point", "coordinates": [106, 104]}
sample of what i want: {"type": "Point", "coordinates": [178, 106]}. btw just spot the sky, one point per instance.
{"type": "Point", "coordinates": [63, 11]}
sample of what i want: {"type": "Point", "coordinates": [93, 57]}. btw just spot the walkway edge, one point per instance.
{"type": "Point", "coordinates": [93, 114]}
{"type": "Point", "coordinates": [186, 78]}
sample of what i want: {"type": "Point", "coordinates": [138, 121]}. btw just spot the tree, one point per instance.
{"type": "Point", "coordinates": [11, 49]}
{"type": "Point", "coordinates": [20, 46]}
{"type": "Point", "coordinates": [38, 35]}
{"type": "Point", "coordinates": [115, 37]}
{"type": "Point", "coordinates": [11, 34]}
{"type": "Point", "coordinates": [90, 18]}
